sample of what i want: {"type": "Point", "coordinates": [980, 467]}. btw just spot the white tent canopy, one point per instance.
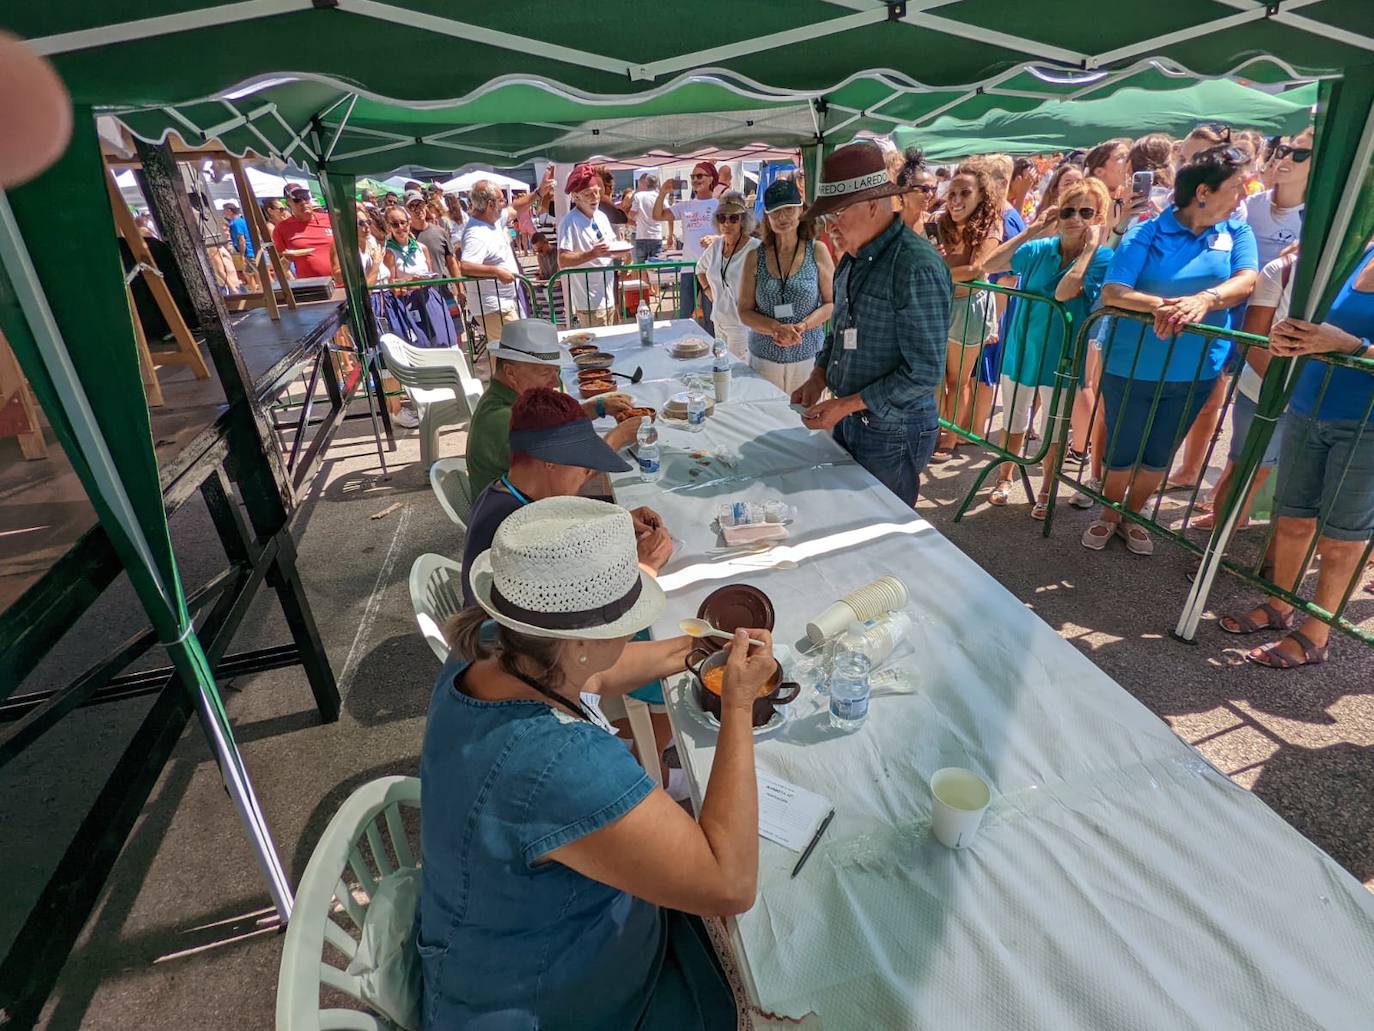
{"type": "Point", "coordinates": [465, 182]}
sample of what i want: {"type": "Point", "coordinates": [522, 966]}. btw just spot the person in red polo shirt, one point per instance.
{"type": "Point", "coordinates": [306, 238]}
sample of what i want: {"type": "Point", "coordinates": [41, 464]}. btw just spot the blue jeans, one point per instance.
{"type": "Point", "coordinates": [687, 300]}
{"type": "Point", "coordinates": [1131, 431]}
{"type": "Point", "coordinates": [647, 250]}
{"type": "Point", "coordinates": [893, 450]}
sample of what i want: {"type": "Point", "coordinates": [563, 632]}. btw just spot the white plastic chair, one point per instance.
{"type": "Point", "coordinates": [436, 593]}
{"type": "Point", "coordinates": [449, 478]}
{"type": "Point", "coordinates": [371, 814]}
{"type": "Point", "coordinates": [440, 390]}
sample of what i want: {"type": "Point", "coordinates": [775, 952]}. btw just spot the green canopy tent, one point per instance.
{"type": "Point", "coordinates": [287, 77]}
{"type": "Point", "coordinates": [1065, 125]}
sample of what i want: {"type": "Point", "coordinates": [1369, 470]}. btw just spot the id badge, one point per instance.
{"type": "Point", "coordinates": [1221, 242]}
{"type": "Point", "coordinates": [782, 311]}
{"type": "Point", "coordinates": [850, 338]}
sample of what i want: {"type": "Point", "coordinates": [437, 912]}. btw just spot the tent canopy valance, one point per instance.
{"type": "Point", "coordinates": [566, 84]}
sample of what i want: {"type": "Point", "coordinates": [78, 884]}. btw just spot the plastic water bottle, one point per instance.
{"type": "Point", "coordinates": [646, 450]}
{"type": "Point", "coordinates": [696, 411]}
{"type": "Point", "coordinates": [720, 369]}
{"type": "Point", "coordinates": [644, 318]}
{"type": "Point", "coordinates": [849, 685]}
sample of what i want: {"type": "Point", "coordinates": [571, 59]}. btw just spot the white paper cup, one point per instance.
{"type": "Point", "coordinates": [961, 799]}
{"type": "Point", "coordinates": [833, 621]}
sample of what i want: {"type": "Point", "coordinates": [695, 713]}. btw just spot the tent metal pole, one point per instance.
{"type": "Point", "coordinates": [338, 130]}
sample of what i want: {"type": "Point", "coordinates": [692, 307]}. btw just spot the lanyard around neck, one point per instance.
{"type": "Point", "coordinates": [785, 273]}
{"type": "Point", "coordinates": [514, 492]}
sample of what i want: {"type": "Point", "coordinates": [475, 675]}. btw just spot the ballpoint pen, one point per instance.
{"type": "Point", "coordinates": [811, 846]}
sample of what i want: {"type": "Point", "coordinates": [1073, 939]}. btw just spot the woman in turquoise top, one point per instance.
{"type": "Point", "coordinates": [1326, 472]}
{"type": "Point", "coordinates": [785, 293]}
{"type": "Point", "coordinates": [1193, 263]}
{"type": "Point", "coordinates": [555, 875]}
{"type": "Point", "coordinates": [1068, 266]}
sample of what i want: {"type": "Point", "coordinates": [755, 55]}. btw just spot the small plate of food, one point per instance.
{"type": "Point", "coordinates": [594, 360]}
{"type": "Point", "coordinates": [579, 338]}
{"type": "Point", "coordinates": [636, 413]}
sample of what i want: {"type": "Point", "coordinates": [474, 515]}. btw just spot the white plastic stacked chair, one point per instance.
{"type": "Point", "coordinates": [436, 593]}
{"type": "Point", "coordinates": [372, 814]}
{"type": "Point", "coordinates": [449, 478]}
{"type": "Point", "coordinates": [439, 384]}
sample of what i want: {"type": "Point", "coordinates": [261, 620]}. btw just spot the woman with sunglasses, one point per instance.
{"type": "Point", "coordinates": [419, 313]}
{"type": "Point", "coordinates": [920, 185]}
{"type": "Point", "coordinates": [785, 294]}
{"type": "Point", "coordinates": [1059, 255]}
{"type": "Point", "coordinates": [968, 231]}
{"type": "Point", "coordinates": [720, 270]}
{"type": "Point", "coordinates": [1194, 263]}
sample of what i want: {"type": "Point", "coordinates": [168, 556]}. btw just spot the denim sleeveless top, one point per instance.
{"type": "Point", "coordinates": [508, 941]}
{"type": "Point", "coordinates": [803, 292]}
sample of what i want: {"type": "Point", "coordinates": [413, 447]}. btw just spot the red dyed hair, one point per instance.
{"type": "Point", "coordinates": [544, 409]}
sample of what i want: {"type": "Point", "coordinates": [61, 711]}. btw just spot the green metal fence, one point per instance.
{"type": "Point", "coordinates": [1249, 560]}
{"type": "Point", "coordinates": [479, 293]}
{"type": "Point", "coordinates": [993, 381]}
{"type": "Point", "coordinates": [612, 294]}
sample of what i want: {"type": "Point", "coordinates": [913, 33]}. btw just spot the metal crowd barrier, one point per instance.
{"type": "Point", "coordinates": [983, 366]}
{"type": "Point", "coordinates": [657, 282]}
{"type": "Point", "coordinates": [1247, 559]}
{"type": "Point", "coordinates": [467, 316]}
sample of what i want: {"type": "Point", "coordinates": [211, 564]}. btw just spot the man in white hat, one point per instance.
{"type": "Point", "coordinates": [884, 358]}
{"type": "Point", "coordinates": [528, 356]}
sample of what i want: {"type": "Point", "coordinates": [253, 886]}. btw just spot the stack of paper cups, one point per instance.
{"type": "Point", "coordinates": [833, 621]}
{"type": "Point", "coordinates": [886, 594]}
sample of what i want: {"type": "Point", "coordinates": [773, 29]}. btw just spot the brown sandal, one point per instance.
{"type": "Point", "coordinates": [1269, 656]}
{"type": "Point", "coordinates": [1276, 620]}
{"type": "Point", "coordinates": [1041, 508]}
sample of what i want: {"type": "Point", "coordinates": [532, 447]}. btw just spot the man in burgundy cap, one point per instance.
{"type": "Point", "coordinates": [584, 239]}
{"type": "Point", "coordinates": [884, 357]}
{"type": "Point", "coordinates": [697, 217]}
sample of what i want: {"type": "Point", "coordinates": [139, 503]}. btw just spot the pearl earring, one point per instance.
{"type": "Point", "coordinates": [582, 659]}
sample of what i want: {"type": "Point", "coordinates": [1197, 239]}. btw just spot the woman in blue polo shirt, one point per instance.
{"type": "Point", "coordinates": [1068, 266]}
{"type": "Point", "coordinates": [1193, 263]}
{"type": "Point", "coordinates": [1326, 472]}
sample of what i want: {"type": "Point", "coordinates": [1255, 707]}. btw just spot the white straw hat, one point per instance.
{"type": "Point", "coordinates": [533, 341]}
{"type": "Point", "coordinates": [567, 567]}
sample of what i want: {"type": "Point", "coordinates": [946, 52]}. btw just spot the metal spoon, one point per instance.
{"type": "Point", "coordinates": [638, 374]}
{"type": "Point", "coordinates": [693, 627]}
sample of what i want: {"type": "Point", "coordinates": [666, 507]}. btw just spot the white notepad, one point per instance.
{"type": "Point", "coordinates": [789, 815]}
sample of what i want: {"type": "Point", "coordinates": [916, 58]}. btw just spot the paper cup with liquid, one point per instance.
{"type": "Point", "coordinates": [961, 798]}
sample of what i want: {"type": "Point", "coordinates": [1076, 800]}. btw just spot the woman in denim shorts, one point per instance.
{"type": "Point", "coordinates": [1326, 473]}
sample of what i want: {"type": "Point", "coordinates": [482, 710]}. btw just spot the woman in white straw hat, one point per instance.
{"type": "Point", "coordinates": [556, 876]}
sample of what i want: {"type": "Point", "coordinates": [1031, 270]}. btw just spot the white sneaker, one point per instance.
{"type": "Point", "coordinates": [1081, 500]}
{"type": "Point", "coordinates": [407, 417]}
{"type": "Point", "coordinates": [677, 785]}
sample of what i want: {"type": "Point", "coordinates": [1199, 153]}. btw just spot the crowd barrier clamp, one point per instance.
{"type": "Point", "coordinates": [978, 364]}
{"type": "Point", "coordinates": [660, 278]}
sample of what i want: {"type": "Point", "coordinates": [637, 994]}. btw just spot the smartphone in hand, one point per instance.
{"type": "Point", "coordinates": [1141, 183]}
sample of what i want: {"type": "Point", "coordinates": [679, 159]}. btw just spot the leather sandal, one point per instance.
{"type": "Point", "coordinates": [1041, 508]}
{"type": "Point", "coordinates": [1269, 656]}
{"type": "Point", "coordinates": [1001, 493]}
{"type": "Point", "coordinates": [1276, 620]}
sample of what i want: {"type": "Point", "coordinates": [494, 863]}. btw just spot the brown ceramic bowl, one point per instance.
{"type": "Point", "coordinates": [733, 606]}
{"type": "Point", "coordinates": [775, 692]}
{"type": "Point", "coordinates": [594, 387]}
{"type": "Point", "coordinates": [594, 360]}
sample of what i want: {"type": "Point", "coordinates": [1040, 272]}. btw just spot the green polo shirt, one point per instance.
{"type": "Point", "coordinates": [489, 437]}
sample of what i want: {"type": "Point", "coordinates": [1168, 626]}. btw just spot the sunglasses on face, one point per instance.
{"type": "Point", "coordinates": [299, 199]}
{"type": "Point", "coordinates": [732, 219]}
{"type": "Point", "coordinates": [1220, 128]}
{"type": "Point", "coordinates": [398, 225]}
{"type": "Point", "coordinates": [1086, 214]}
{"type": "Point", "coordinates": [925, 188]}
{"type": "Point", "coordinates": [701, 176]}
{"type": "Point", "coordinates": [1300, 154]}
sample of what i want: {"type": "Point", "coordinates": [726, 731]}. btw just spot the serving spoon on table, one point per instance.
{"type": "Point", "coordinates": [694, 627]}
{"type": "Point", "coordinates": [638, 374]}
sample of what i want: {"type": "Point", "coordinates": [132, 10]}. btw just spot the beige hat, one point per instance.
{"type": "Point", "coordinates": [567, 567]}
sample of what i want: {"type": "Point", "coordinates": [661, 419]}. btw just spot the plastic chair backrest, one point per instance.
{"type": "Point", "coordinates": [368, 824]}
{"type": "Point", "coordinates": [449, 478]}
{"type": "Point", "coordinates": [436, 594]}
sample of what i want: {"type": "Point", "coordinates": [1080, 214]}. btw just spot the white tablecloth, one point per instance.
{"type": "Point", "coordinates": [1118, 882]}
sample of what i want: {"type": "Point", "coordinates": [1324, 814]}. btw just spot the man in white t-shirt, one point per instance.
{"type": "Point", "coordinates": [648, 229]}
{"type": "Point", "coordinates": [485, 253]}
{"type": "Point", "coordinates": [697, 216]}
{"type": "Point", "coordinates": [584, 238]}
